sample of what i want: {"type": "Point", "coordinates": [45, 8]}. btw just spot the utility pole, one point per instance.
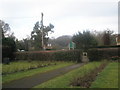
{"type": "Point", "coordinates": [42, 30]}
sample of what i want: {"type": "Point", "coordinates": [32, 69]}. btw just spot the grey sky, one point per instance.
{"type": "Point", "coordinates": [68, 16]}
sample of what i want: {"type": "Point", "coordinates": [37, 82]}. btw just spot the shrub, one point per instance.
{"type": "Point", "coordinates": [8, 47]}
{"type": "Point", "coordinates": [72, 55]}
{"type": "Point", "coordinates": [6, 51]}
{"type": "Point", "coordinates": [108, 46]}
{"type": "Point", "coordinates": [102, 53]}
{"type": "Point", "coordinates": [94, 55]}
{"type": "Point", "coordinates": [33, 56]}
{"type": "Point", "coordinates": [114, 58]}
{"type": "Point", "coordinates": [66, 55]}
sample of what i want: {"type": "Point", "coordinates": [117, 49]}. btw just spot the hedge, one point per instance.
{"type": "Point", "coordinates": [66, 55]}
{"type": "Point", "coordinates": [8, 48]}
{"type": "Point", "coordinates": [7, 52]}
{"type": "Point", "coordinates": [72, 55]}
{"type": "Point", "coordinates": [102, 53]}
{"type": "Point", "coordinates": [108, 46]}
{"type": "Point", "coordinates": [94, 54]}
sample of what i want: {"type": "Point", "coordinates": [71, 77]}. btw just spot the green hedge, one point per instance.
{"type": "Point", "coordinates": [102, 53]}
{"type": "Point", "coordinates": [70, 55]}
{"type": "Point", "coordinates": [6, 51]}
{"type": "Point", "coordinates": [33, 56]}
{"type": "Point", "coordinates": [8, 48]}
{"type": "Point", "coordinates": [95, 54]}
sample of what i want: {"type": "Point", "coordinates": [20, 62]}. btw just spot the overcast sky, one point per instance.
{"type": "Point", "coordinates": [68, 16]}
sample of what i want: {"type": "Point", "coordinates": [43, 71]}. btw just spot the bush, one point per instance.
{"type": "Point", "coordinates": [102, 53]}
{"type": "Point", "coordinates": [114, 58]}
{"type": "Point", "coordinates": [71, 55]}
{"type": "Point", "coordinates": [8, 47]}
{"type": "Point", "coordinates": [6, 51]}
{"type": "Point", "coordinates": [108, 46]}
{"type": "Point", "coordinates": [94, 55]}
{"type": "Point", "coordinates": [33, 56]}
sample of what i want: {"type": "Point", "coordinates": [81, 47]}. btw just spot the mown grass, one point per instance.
{"type": "Point", "coordinates": [0, 75]}
{"type": "Point", "coordinates": [22, 74]}
{"type": "Point", "coordinates": [24, 65]}
{"type": "Point", "coordinates": [65, 80]}
{"type": "Point", "coordinates": [108, 78]}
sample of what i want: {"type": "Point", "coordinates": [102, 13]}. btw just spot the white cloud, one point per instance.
{"type": "Point", "coordinates": [73, 25]}
{"type": "Point", "coordinates": [68, 16]}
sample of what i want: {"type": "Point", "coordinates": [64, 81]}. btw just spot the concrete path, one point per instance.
{"type": "Point", "coordinates": [37, 79]}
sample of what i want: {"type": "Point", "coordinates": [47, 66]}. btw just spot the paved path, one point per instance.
{"type": "Point", "coordinates": [34, 80]}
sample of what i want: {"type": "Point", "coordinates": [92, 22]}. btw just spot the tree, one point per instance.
{"type": "Point", "coordinates": [24, 44]}
{"type": "Point", "coordinates": [106, 37]}
{"type": "Point", "coordinates": [98, 36]}
{"type": "Point", "coordinates": [36, 35]}
{"type": "Point", "coordinates": [84, 40]}
{"type": "Point", "coordinates": [6, 30]}
{"type": "Point", "coordinates": [8, 40]}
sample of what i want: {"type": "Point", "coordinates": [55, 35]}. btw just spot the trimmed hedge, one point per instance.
{"type": "Point", "coordinates": [108, 46]}
{"type": "Point", "coordinates": [71, 55]}
{"type": "Point", "coordinates": [7, 54]}
{"type": "Point", "coordinates": [6, 51]}
{"type": "Point", "coordinates": [33, 56]}
{"type": "Point", "coordinates": [102, 53]}
{"type": "Point", "coordinates": [95, 54]}
{"type": "Point", "coordinates": [8, 48]}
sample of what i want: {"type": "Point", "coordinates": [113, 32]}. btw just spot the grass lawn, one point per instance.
{"type": "Point", "coordinates": [22, 74]}
{"type": "Point", "coordinates": [108, 78]}
{"type": "Point", "coordinates": [65, 80]}
{"type": "Point", "coordinates": [24, 65]}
